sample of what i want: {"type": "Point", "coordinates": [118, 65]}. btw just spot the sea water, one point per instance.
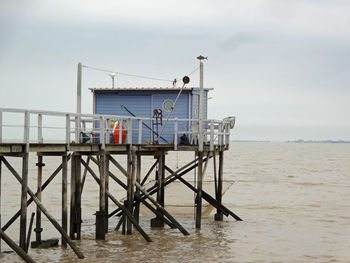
{"type": "Point", "coordinates": [294, 199]}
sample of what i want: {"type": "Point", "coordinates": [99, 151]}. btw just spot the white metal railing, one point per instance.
{"type": "Point", "coordinates": [95, 128]}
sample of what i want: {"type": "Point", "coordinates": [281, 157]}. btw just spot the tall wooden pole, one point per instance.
{"type": "Point", "coordinates": [201, 105]}
{"type": "Point", "coordinates": [23, 218]}
{"type": "Point", "coordinates": [79, 76]}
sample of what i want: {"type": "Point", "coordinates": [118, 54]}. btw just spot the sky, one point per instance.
{"type": "Point", "coordinates": [281, 67]}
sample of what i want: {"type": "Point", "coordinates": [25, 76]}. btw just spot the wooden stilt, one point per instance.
{"type": "Point", "coordinates": [0, 199]}
{"type": "Point", "coordinates": [219, 216]}
{"type": "Point", "coordinates": [73, 185]}
{"type": "Point", "coordinates": [159, 222]}
{"type": "Point", "coordinates": [64, 197]}
{"type": "Point", "coordinates": [78, 196]}
{"type": "Point", "coordinates": [16, 248]}
{"type": "Point", "coordinates": [106, 172]}
{"type": "Point", "coordinates": [130, 184]}
{"type": "Point", "coordinates": [199, 190]}
{"type": "Point", "coordinates": [23, 219]}
{"type": "Point", "coordinates": [38, 229]}
{"type": "Point", "coordinates": [29, 232]}
{"type": "Point", "coordinates": [137, 192]}
{"type": "Point", "coordinates": [100, 215]}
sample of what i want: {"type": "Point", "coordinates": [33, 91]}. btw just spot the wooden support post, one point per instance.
{"type": "Point", "coordinates": [159, 222]}
{"type": "Point", "coordinates": [137, 193]}
{"type": "Point", "coordinates": [73, 185]}
{"type": "Point", "coordinates": [100, 215]}
{"type": "Point", "coordinates": [20, 252]}
{"type": "Point", "coordinates": [64, 197]}
{"type": "Point", "coordinates": [219, 216]}
{"type": "Point", "coordinates": [75, 214]}
{"type": "Point", "coordinates": [199, 190]}
{"type": "Point", "coordinates": [0, 189]}
{"type": "Point", "coordinates": [29, 232]}
{"type": "Point", "coordinates": [23, 219]}
{"type": "Point", "coordinates": [38, 229]}
{"type": "Point", "coordinates": [106, 172]}
{"type": "Point", "coordinates": [130, 184]}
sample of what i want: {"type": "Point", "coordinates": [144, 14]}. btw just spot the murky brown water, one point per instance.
{"type": "Point", "coordinates": [294, 199]}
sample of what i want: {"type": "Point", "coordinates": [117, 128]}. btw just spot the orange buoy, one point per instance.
{"type": "Point", "coordinates": [116, 131]}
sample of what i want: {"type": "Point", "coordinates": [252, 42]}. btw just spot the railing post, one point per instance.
{"type": "Point", "coordinates": [108, 131]}
{"type": "Point", "coordinates": [140, 131]}
{"type": "Point", "coordinates": [67, 130]}
{"type": "Point", "coordinates": [26, 130]}
{"type": "Point", "coordinates": [220, 134]}
{"type": "Point", "coordinates": [129, 131]}
{"type": "Point", "coordinates": [211, 135]}
{"type": "Point", "coordinates": [0, 126]}
{"type": "Point", "coordinates": [77, 130]}
{"type": "Point", "coordinates": [175, 133]}
{"type": "Point", "coordinates": [227, 134]}
{"type": "Point", "coordinates": [102, 133]}
{"type": "Point", "coordinates": [120, 131]}
{"type": "Point", "coordinates": [40, 128]}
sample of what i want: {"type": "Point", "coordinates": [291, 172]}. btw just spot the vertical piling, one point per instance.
{"type": "Point", "coordinates": [23, 218]}
{"type": "Point", "coordinates": [38, 229]}
{"type": "Point", "coordinates": [100, 215]}
{"type": "Point", "coordinates": [64, 198]}
{"type": "Point", "coordinates": [130, 186]}
{"type": "Point", "coordinates": [199, 190]}
{"type": "Point", "coordinates": [72, 198]}
{"type": "Point", "coordinates": [75, 214]}
{"type": "Point", "coordinates": [0, 196]}
{"type": "Point", "coordinates": [137, 193]}
{"type": "Point", "coordinates": [106, 172]}
{"type": "Point", "coordinates": [159, 222]}
{"type": "Point", "coordinates": [219, 216]}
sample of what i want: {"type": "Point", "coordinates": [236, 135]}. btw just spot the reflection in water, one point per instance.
{"type": "Point", "coordinates": [294, 199]}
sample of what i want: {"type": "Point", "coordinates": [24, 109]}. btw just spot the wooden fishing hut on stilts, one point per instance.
{"type": "Point", "coordinates": [89, 140]}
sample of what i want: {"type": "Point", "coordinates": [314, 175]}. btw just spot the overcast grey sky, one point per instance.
{"type": "Point", "coordinates": [280, 66]}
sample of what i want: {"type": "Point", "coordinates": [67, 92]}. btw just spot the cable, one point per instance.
{"type": "Point", "coordinates": [126, 74]}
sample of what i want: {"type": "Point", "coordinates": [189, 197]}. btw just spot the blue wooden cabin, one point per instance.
{"type": "Point", "coordinates": [142, 102]}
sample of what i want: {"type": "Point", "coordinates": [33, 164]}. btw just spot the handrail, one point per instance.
{"type": "Point", "coordinates": [215, 132]}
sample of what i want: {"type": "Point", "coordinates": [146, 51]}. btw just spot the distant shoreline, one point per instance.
{"type": "Point", "coordinates": [297, 141]}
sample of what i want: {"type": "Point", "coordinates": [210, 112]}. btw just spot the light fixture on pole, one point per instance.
{"type": "Point", "coordinates": [112, 75]}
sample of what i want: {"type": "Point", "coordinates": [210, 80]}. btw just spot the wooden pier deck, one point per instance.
{"type": "Point", "coordinates": [100, 152]}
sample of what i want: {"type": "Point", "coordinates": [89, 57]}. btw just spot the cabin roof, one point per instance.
{"type": "Point", "coordinates": [144, 88]}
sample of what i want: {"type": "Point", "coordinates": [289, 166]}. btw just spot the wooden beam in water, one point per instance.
{"type": "Point", "coordinates": [147, 195]}
{"type": "Point", "coordinates": [121, 207]}
{"type": "Point", "coordinates": [137, 192]}
{"type": "Point", "coordinates": [46, 213]}
{"type": "Point", "coordinates": [29, 231]}
{"type": "Point", "coordinates": [20, 252]}
{"type": "Point", "coordinates": [47, 182]}
{"type": "Point", "coordinates": [206, 197]}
